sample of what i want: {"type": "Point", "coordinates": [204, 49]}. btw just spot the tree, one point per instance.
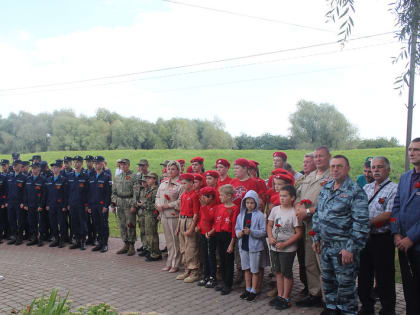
{"type": "Point", "coordinates": [314, 125]}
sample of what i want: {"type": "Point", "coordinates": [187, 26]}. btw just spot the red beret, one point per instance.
{"type": "Point", "coordinates": [181, 161]}
{"type": "Point", "coordinates": [187, 176]}
{"type": "Point", "coordinates": [189, 169]}
{"type": "Point", "coordinates": [197, 159]}
{"type": "Point", "coordinates": [287, 178]}
{"type": "Point", "coordinates": [242, 162]}
{"type": "Point", "coordinates": [280, 154]}
{"type": "Point", "coordinates": [208, 191]}
{"type": "Point", "coordinates": [256, 163]}
{"type": "Point", "coordinates": [212, 174]}
{"type": "Point", "coordinates": [251, 164]}
{"type": "Point", "coordinates": [198, 176]}
{"type": "Point", "coordinates": [279, 171]}
{"type": "Point", "coordinates": [164, 170]}
{"type": "Point", "coordinates": [224, 162]}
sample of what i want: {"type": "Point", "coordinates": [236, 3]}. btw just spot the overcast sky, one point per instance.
{"type": "Point", "coordinates": [45, 42]}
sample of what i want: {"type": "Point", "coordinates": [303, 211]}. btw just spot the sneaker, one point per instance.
{"type": "Point", "coordinates": [276, 301]}
{"type": "Point", "coordinates": [244, 295]}
{"type": "Point", "coordinates": [251, 297]}
{"type": "Point", "coordinates": [193, 277]}
{"type": "Point", "coordinates": [284, 305]}
{"type": "Point", "coordinates": [211, 283]}
{"type": "Point", "coordinates": [202, 282]}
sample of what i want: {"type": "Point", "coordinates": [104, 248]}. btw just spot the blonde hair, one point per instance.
{"type": "Point", "coordinates": [227, 189]}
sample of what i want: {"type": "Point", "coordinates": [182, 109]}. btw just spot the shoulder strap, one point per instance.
{"type": "Point", "coordinates": [373, 197]}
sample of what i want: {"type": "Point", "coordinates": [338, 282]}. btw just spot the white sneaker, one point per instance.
{"type": "Point", "coordinates": [1, 277]}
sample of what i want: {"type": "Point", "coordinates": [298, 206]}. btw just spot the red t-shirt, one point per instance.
{"type": "Point", "coordinates": [262, 187]}
{"type": "Point", "coordinates": [241, 187]}
{"type": "Point", "coordinates": [275, 199]}
{"type": "Point", "coordinates": [190, 204]}
{"type": "Point", "coordinates": [226, 181]}
{"type": "Point", "coordinates": [225, 219]}
{"type": "Point", "coordinates": [206, 219]}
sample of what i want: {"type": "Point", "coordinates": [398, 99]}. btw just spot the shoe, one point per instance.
{"type": "Point", "coordinates": [166, 268]}
{"type": "Point", "coordinates": [244, 295]}
{"type": "Point", "coordinates": [184, 275]}
{"type": "Point", "coordinates": [40, 243]}
{"type": "Point", "coordinates": [144, 253]}
{"type": "Point", "coordinates": [140, 249]}
{"type": "Point", "coordinates": [75, 245]}
{"type": "Point", "coordinates": [97, 248]}
{"type": "Point", "coordinates": [251, 297]}
{"type": "Point", "coordinates": [83, 245]}
{"type": "Point", "coordinates": [19, 241]}
{"type": "Point", "coordinates": [90, 241]}
{"type": "Point", "coordinates": [173, 269]}
{"type": "Point", "coordinates": [310, 301]}
{"type": "Point", "coordinates": [123, 250]}
{"type": "Point", "coordinates": [218, 287]}
{"type": "Point", "coordinates": [150, 258]}
{"type": "Point", "coordinates": [272, 292]}
{"type": "Point", "coordinates": [284, 305]}
{"type": "Point", "coordinates": [104, 248]}
{"type": "Point", "coordinates": [193, 277]}
{"type": "Point", "coordinates": [364, 311]}
{"type": "Point", "coordinates": [225, 291]}
{"type": "Point", "coordinates": [328, 311]}
{"type": "Point", "coordinates": [131, 251]}
{"type": "Point", "coordinates": [12, 240]}
{"type": "Point", "coordinates": [211, 283]}
{"type": "Point", "coordinates": [33, 242]}
{"type": "Point", "coordinates": [54, 244]}
{"type": "Point", "coordinates": [25, 237]}
{"type": "Point", "coordinates": [61, 243]}
{"type": "Point", "coordinates": [276, 301]}
{"type": "Point", "coordinates": [202, 282]}
{"type": "Point", "coordinates": [304, 291]}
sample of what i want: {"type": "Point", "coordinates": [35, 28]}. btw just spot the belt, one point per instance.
{"type": "Point", "coordinates": [185, 217]}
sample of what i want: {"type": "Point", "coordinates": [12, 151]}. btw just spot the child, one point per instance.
{"type": "Point", "coordinates": [199, 182]}
{"type": "Point", "coordinates": [251, 231]}
{"type": "Point", "coordinates": [207, 242]}
{"type": "Point", "coordinates": [283, 231]}
{"type": "Point", "coordinates": [212, 178]}
{"type": "Point", "coordinates": [188, 238]}
{"type": "Point", "coordinates": [224, 229]}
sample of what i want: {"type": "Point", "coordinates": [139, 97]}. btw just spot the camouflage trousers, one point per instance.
{"type": "Point", "coordinates": [127, 221]}
{"type": "Point", "coordinates": [151, 235]}
{"type": "Point", "coordinates": [142, 227]}
{"type": "Point", "coordinates": [339, 281]}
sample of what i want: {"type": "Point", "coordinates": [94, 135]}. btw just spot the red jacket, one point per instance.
{"type": "Point", "coordinates": [225, 219]}
{"type": "Point", "coordinates": [190, 204]}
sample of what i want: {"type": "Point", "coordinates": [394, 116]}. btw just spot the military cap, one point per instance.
{"type": "Point", "coordinates": [68, 159]}
{"type": "Point", "coordinates": [212, 173]}
{"type": "Point", "coordinates": [99, 158]}
{"type": "Point", "coordinates": [43, 164]}
{"type": "Point", "coordinates": [207, 191]}
{"type": "Point", "coordinates": [143, 162]}
{"type": "Point", "coordinates": [280, 154]}
{"type": "Point", "coordinates": [125, 161]}
{"type": "Point", "coordinates": [242, 162]}
{"type": "Point", "coordinates": [78, 158]}
{"type": "Point", "coordinates": [15, 155]}
{"type": "Point", "coordinates": [25, 163]}
{"type": "Point", "coordinates": [89, 158]}
{"type": "Point", "coordinates": [55, 164]}
{"type": "Point", "coordinates": [224, 162]}
{"type": "Point", "coordinates": [15, 162]}
{"type": "Point", "coordinates": [36, 164]}
{"type": "Point", "coordinates": [197, 159]}
{"type": "Point", "coordinates": [4, 162]}
{"type": "Point", "coordinates": [153, 175]}
{"type": "Point", "coordinates": [279, 171]}
{"type": "Point", "coordinates": [165, 163]}
{"type": "Point", "coordinates": [35, 157]}
{"type": "Point", "coordinates": [198, 176]}
{"type": "Point", "coordinates": [287, 178]}
{"type": "Point", "coordinates": [187, 176]}
{"type": "Point", "coordinates": [59, 162]}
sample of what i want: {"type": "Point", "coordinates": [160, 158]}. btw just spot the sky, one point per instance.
{"type": "Point", "coordinates": [139, 58]}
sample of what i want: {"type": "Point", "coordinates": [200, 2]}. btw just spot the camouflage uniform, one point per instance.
{"type": "Point", "coordinates": [140, 195]}
{"type": "Point", "coordinates": [151, 222]}
{"type": "Point", "coordinates": [341, 221]}
{"type": "Point", "coordinates": [123, 196]}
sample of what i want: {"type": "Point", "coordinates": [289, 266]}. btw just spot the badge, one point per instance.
{"type": "Point", "coordinates": [81, 185]}
{"type": "Point", "coordinates": [343, 195]}
{"type": "Point", "coordinates": [128, 177]}
{"type": "Point", "coordinates": [58, 186]}
{"type": "Point", "coordinates": [38, 187]}
{"type": "Point", "coordinates": [100, 185]}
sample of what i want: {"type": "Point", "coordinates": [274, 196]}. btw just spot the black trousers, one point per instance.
{"type": "Point", "coordinates": [101, 225]}
{"type": "Point", "coordinates": [226, 260]}
{"type": "Point", "coordinates": [410, 273]}
{"type": "Point", "coordinates": [377, 260]}
{"type": "Point", "coordinates": [208, 256]}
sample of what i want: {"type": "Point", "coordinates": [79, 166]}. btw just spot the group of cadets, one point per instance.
{"type": "Point", "coordinates": [60, 205]}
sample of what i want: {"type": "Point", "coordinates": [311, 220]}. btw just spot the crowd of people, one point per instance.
{"type": "Point", "coordinates": [344, 233]}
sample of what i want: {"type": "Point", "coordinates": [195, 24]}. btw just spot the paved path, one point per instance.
{"type": "Point", "coordinates": [127, 283]}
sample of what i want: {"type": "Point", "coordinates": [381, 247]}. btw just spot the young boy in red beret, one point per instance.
{"type": "Point", "coordinates": [224, 230]}
{"type": "Point", "coordinates": [199, 182]}
{"type": "Point", "coordinates": [197, 164]}
{"type": "Point", "coordinates": [188, 237]}
{"type": "Point", "coordinates": [242, 181]}
{"type": "Point", "coordinates": [182, 164]}
{"type": "Point", "coordinates": [208, 205]}
{"type": "Point", "coordinates": [222, 167]}
{"type": "Point", "coordinates": [212, 178]}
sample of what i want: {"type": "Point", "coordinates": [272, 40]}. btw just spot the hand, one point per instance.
{"type": "Point", "coordinates": [280, 245]}
{"type": "Point", "coordinates": [88, 210]}
{"type": "Point", "coordinates": [316, 246]}
{"type": "Point", "coordinates": [26, 208]}
{"type": "Point", "coordinates": [405, 244]}
{"type": "Point", "coordinates": [188, 233]}
{"type": "Point", "coordinates": [2, 206]}
{"type": "Point", "coordinates": [113, 209]}
{"type": "Point", "coordinates": [300, 212]}
{"type": "Point", "coordinates": [230, 249]}
{"type": "Point", "coordinates": [246, 231]}
{"type": "Point", "coordinates": [21, 205]}
{"type": "Point", "coordinates": [39, 209]}
{"type": "Point", "coordinates": [397, 239]}
{"type": "Point", "coordinates": [240, 234]}
{"type": "Point", "coordinates": [197, 229]}
{"type": "Point", "coordinates": [208, 235]}
{"type": "Point", "coordinates": [347, 257]}
{"type": "Point", "coordinates": [272, 241]}
{"type": "Point", "coordinates": [5, 205]}
{"type": "Point", "coordinates": [133, 210]}
{"type": "Point", "coordinates": [104, 210]}
{"type": "Point", "coordinates": [64, 209]}
{"type": "Point", "coordinates": [47, 208]}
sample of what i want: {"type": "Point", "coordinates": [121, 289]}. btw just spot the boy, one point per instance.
{"type": "Point", "coordinates": [207, 242]}
{"type": "Point", "coordinates": [188, 238]}
{"type": "Point", "coordinates": [251, 231]}
{"type": "Point", "coordinates": [224, 230]}
{"type": "Point", "coordinates": [283, 231]}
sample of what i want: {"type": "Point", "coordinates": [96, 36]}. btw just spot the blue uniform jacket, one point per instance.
{"type": "Point", "coordinates": [99, 190]}
{"type": "Point", "coordinates": [78, 190]}
{"type": "Point", "coordinates": [15, 188]}
{"type": "Point", "coordinates": [3, 188]}
{"type": "Point", "coordinates": [406, 211]}
{"type": "Point", "coordinates": [55, 195]}
{"type": "Point", "coordinates": [342, 215]}
{"type": "Point", "coordinates": [34, 189]}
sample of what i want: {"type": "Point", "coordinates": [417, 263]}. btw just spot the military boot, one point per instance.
{"type": "Point", "coordinates": [184, 275]}
{"type": "Point", "coordinates": [97, 247]}
{"type": "Point", "coordinates": [193, 277]}
{"type": "Point", "coordinates": [83, 244]}
{"type": "Point", "coordinates": [131, 251]}
{"type": "Point", "coordinates": [75, 245]}
{"type": "Point", "coordinates": [33, 241]}
{"type": "Point", "coordinates": [19, 240]}
{"type": "Point", "coordinates": [123, 250]}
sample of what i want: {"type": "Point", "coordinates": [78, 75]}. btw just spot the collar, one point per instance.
{"type": "Point", "coordinates": [344, 185]}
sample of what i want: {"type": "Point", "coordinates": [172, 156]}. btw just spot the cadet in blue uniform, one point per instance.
{"type": "Point", "coordinates": [14, 202]}
{"type": "Point", "coordinates": [68, 169]}
{"type": "Point", "coordinates": [44, 222]}
{"type": "Point", "coordinates": [341, 225]}
{"type": "Point", "coordinates": [15, 156]}
{"type": "Point", "coordinates": [33, 201]}
{"type": "Point", "coordinates": [55, 200]}
{"type": "Point", "coordinates": [78, 203]}
{"type": "Point", "coordinates": [4, 224]}
{"type": "Point", "coordinates": [99, 201]}
{"type": "Point", "coordinates": [92, 234]}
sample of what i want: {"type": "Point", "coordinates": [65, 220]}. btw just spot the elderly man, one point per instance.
{"type": "Point", "coordinates": [309, 190]}
{"type": "Point", "coordinates": [406, 229]}
{"type": "Point", "coordinates": [341, 224]}
{"type": "Point", "coordinates": [308, 167]}
{"type": "Point", "coordinates": [377, 258]}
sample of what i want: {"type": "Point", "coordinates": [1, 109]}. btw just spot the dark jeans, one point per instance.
{"type": "Point", "coordinates": [410, 273]}
{"type": "Point", "coordinates": [377, 259]}
{"type": "Point", "coordinates": [208, 256]}
{"type": "Point", "coordinates": [226, 260]}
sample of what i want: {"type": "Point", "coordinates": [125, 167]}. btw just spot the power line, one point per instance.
{"type": "Point", "coordinates": [192, 64]}
{"type": "Point", "coordinates": [203, 70]}
{"type": "Point", "coordinates": [249, 16]}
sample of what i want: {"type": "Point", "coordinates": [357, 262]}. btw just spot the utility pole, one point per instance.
{"type": "Point", "coordinates": [410, 106]}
